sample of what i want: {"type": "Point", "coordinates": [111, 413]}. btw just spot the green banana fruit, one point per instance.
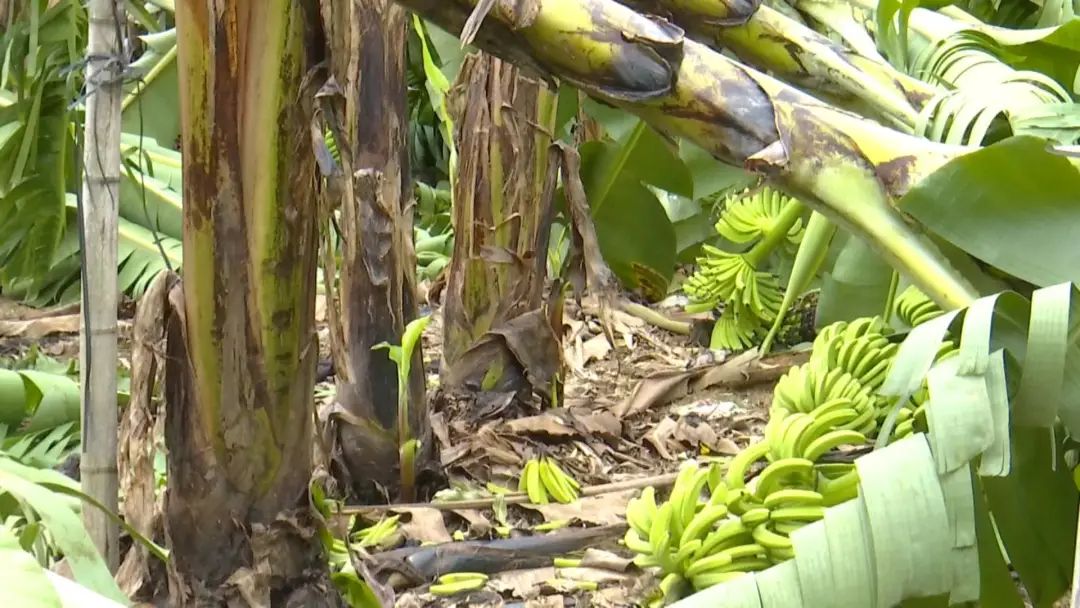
{"type": "Point", "coordinates": [453, 584]}
{"type": "Point", "coordinates": [799, 471]}
{"type": "Point", "coordinates": [832, 440]}
{"type": "Point", "coordinates": [804, 514]}
{"type": "Point", "coordinates": [793, 497]}
{"type": "Point", "coordinates": [641, 510]}
{"type": "Point", "coordinates": [701, 522]}
{"type": "Point", "coordinates": [740, 464]}
{"type": "Point", "coordinates": [728, 534]}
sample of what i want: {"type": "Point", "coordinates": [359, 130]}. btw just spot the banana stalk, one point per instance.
{"type": "Point", "coordinates": [241, 351]}
{"type": "Point", "coordinates": [772, 41]}
{"type": "Point", "coordinates": [849, 168]}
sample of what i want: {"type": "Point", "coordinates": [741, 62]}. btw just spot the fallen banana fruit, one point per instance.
{"type": "Point", "coordinates": [543, 479]}
{"type": "Point", "coordinates": [458, 582]}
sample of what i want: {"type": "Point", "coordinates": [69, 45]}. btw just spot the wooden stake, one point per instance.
{"type": "Point", "coordinates": [97, 332]}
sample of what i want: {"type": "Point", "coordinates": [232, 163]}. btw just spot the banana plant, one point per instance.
{"type": "Point", "coordinates": [408, 443]}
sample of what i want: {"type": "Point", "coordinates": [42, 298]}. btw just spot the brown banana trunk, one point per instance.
{"type": "Point", "coordinates": [377, 274]}
{"type": "Point", "coordinates": [241, 349]}
{"type": "Point", "coordinates": [496, 335]}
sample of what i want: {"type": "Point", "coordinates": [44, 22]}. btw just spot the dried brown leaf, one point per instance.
{"type": "Point", "coordinates": [527, 341]}
{"type": "Point", "coordinates": [479, 524]}
{"type": "Point", "coordinates": [521, 583]}
{"type": "Point", "coordinates": [595, 575]}
{"type": "Point", "coordinates": [694, 434]}
{"type": "Point", "coordinates": [598, 558]}
{"type": "Point", "coordinates": [659, 436]}
{"type": "Point", "coordinates": [594, 349]}
{"type": "Point", "coordinates": [585, 246]}
{"type": "Point", "coordinates": [744, 370]}
{"type": "Point", "coordinates": [603, 510]}
{"type": "Point", "coordinates": [34, 329]}
{"type": "Point", "coordinates": [548, 424]}
{"type": "Point", "coordinates": [137, 437]}
{"type": "Point", "coordinates": [656, 390]}
{"type": "Point", "coordinates": [440, 429]}
{"type": "Point", "coordinates": [546, 601]}
{"type": "Point", "coordinates": [726, 446]}
{"type": "Point", "coordinates": [454, 453]}
{"type": "Point", "coordinates": [709, 410]}
{"type": "Point", "coordinates": [424, 525]}
{"type": "Point", "coordinates": [597, 422]}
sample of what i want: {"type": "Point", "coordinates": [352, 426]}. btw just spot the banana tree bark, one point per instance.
{"type": "Point", "coordinates": [241, 342]}
{"type": "Point", "coordinates": [368, 116]}
{"type": "Point", "coordinates": [496, 335]}
{"type": "Point", "coordinates": [851, 169]}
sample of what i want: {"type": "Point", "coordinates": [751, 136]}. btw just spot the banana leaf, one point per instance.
{"type": "Point", "coordinates": [64, 525]}
{"type": "Point", "coordinates": [23, 579]}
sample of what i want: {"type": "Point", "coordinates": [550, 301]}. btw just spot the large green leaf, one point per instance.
{"type": "Point", "coordinates": [636, 237]}
{"type": "Point", "coordinates": [856, 286]}
{"type": "Point", "coordinates": [141, 254]}
{"type": "Point", "coordinates": [1012, 205]}
{"type": "Point", "coordinates": [35, 147]}
{"type": "Point", "coordinates": [1054, 51]}
{"type": "Point", "coordinates": [151, 203]}
{"type": "Point", "coordinates": [147, 156]}
{"type": "Point", "coordinates": [635, 233]}
{"type": "Point", "coordinates": [710, 176]}
{"type": "Point", "coordinates": [32, 400]}
{"type": "Point", "coordinates": [1039, 548]}
{"type": "Point", "coordinates": [31, 208]}
{"type": "Point", "coordinates": [642, 153]}
{"type": "Point", "coordinates": [38, 242]}
{"type": "Point", "coordinates": [152, 106]}
{"type": "Point", "coordinates": [448, 50]}
{"type": "Point", "coordinates": [23, 579]}
{"type": "Point", "coordinates": [998, 589]}
{"type": "Point", "coordinates": [64, 525]}
{"type": "Point", "coordinates": [53, 400]}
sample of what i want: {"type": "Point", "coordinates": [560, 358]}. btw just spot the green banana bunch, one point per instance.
{"type": "Point", "coordinates": [699, 541]}
{"type": "Point", "coordinates": [740, 526]}
{"type": "Point", "coordinates": [860, 348]}
{"type": "Point", "coordinates": [751, 297]}
{"type": "Point", "coordinates": [913, 307]}
{"type": "Point", "coordinates": [458, 582]}
{"type": "Point", "coordinates": [543, 479]}
{"type": "Point", "coordinates": [723, 276]}
{"type": "Point", "coordinates": [432, 252]}
{"type": "Point", "coordinates": [734, 331]}
{"type": "Point", "coordinates": [382, 534]}
{"type": "Point", "coordinates": [815, 389]}
{"type": "Point", "coordinates": [752, 216]}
